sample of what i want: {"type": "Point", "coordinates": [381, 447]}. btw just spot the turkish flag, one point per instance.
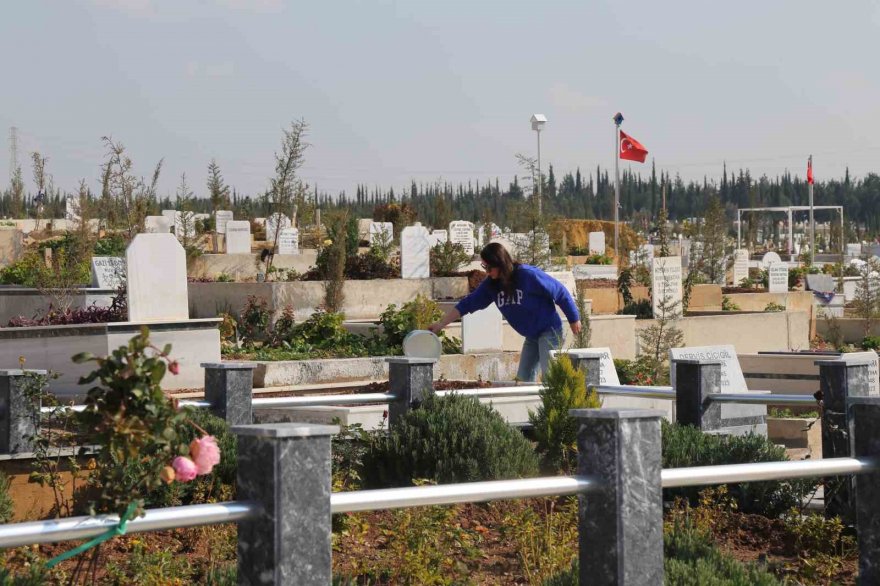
{"type": "Point", "coordinates": [810, 170]}
{"type": "Point", "coordinates": [631, 149]}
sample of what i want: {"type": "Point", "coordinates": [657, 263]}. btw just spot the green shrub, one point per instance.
{"type": "Point", "coordinates": [871, 342]}
{"type": "Point", "coordinates": [773, 307]}
{"type": "Point", "coordinates": [417, 314]}
{"type": "Point", "coordinates": [452, 439]}
{"type": "Point", "coordinates": [565, 388]}
{"type": "Point", "coordinates": [110, 245]}
{"type": "Point", "coordinates": [7, 505]}
{"type": "Point", "coordinates": [685, 446]}
{"type": "Point", "coordinates": [728, 305]}
{"type": "Point", "coordinates": [447, 258]}
{"type": "Point", "coordinates": [254, 319]}
{"type": "Point", "coordinates": [641, 309]}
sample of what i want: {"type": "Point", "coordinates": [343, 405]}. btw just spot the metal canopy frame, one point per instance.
{"type": "Point", "coordinates": [786, 210]}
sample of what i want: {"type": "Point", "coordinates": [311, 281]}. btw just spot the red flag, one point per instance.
{"type": "Point", "coordinates": [631, 149]}
{"type": "Point", "coordinates": [810, 170]}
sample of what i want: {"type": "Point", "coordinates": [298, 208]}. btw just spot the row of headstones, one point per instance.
{"type": "Point", "coordinates": [237, 232]}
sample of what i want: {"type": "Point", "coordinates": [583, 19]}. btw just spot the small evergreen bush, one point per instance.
{"type": "Point", "coordinates": [7, 505]}
{"type": "Point", "coordinates": [451, 439]}
{"type": "Point", "coordinates": [685, 446]}
{"type": "Point", "coordinates": [565, 388]}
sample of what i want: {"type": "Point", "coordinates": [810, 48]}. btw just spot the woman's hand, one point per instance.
{"type": "Point", "coordinates": [576, 327]}
{"type": "Point", "coordinates": [436, 327]}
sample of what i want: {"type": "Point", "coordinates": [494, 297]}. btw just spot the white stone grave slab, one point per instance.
{"type": "Point", "coordinates": [415, 252]}
{"type": "Point", "coordinates": [594, 271]}
{"type": "Point", "coordinates": [170, 215]}
{"type": "Point", "coordinates": [157, 224]}
{"type": "Point", "coordinates": [597, 242]}
{"type": "Point", "coordinates": [482, 331]}
{"type": "Point", "coordinates": [381, 231]}
{"type": "Point", "coordinates": [777, 278]}
{"type": "Point", "coordinates": [238, 237]}
{"type": "Point", "coordinates": [274, 224]}
{"type": "Point", "coordinates": [740, 266]}
{"type": "Point", "coordinates": [288, 241]}
{"type": "Point", "coordinates": [666, 284]}
{"type": "Point", "coordinates": [439, 237]}
{"type": "Point", "coordinates": [220, 219]}
{"type": "Point", "coordinates": [108, 272]}
{"type": "Point", "coordinates": [768, 259]}
{"type": "Point", "coordinates": [462, 232]}
{"type": "Point", "coordinates": [156, 269]}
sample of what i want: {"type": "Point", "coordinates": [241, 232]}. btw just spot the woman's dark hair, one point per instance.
{"type": "Point", "coordinates": [496, 256]}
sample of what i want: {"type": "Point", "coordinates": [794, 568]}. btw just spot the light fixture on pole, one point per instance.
{"type": "Point", "coordinates": [618, 120]}
{"type": "Point", "coordinates": [538, 122]}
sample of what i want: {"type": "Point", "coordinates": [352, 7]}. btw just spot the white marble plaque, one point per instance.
{"type": "Point", "coordinates": [732, 379]}
{"type": "Point", "coordinates": [853, 249]}
{"type": "Point", "coordinates": [108, 272]}
{"type": "Point", "coordinates": [597, 242]}
{"type": "Point", "coordinates": [156, 270]}
{"type": "Point", "coordinates": [415, 252]}
{"type": "Point", "coordinates": [666, 284]}
{"type": "Point", "coordinates": [288, 241]}
{"type": "Point", "coordinates": [777, 278]}
{"type": "Point", "coordinates": [768, 259]}
{"type": "Point", "coordinates": [462, 232]}
{"type": "Point", "coordinates": [238, 237]}
{"type": "Point", "coordinates": [220, 219]}
{"type": "Point", "coordinates": [381, 231]}
{"type": "Point", "coordinates": [274, 224]}
{"type": "Point", "coordinates": [740, 266]}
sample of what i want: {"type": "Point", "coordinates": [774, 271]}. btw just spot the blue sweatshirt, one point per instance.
{"type": "Point", "coordinates": [532, 309]}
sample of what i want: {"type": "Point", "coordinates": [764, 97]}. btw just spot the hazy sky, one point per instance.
{"type": "Point", "coordinates": [441, 89]}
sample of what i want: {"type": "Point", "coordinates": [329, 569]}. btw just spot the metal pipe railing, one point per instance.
{"type": "Point", "coordinates": [450, 494]}
{"type": "Point", "coordinates": [73, 528]}
{"type": "Point", "coordinates": [764, 399]}
{"type": "Point", "coordinates": [489, 392]}
{"type": "Point", "coordinates": [758, 471]}
{"type": "Point", "coordinates": [637, 391]}
{"type": "Point", "coordinates": [322, 400]}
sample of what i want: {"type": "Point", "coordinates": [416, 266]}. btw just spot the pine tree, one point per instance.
{"type": "Point", "coordinates": [218, 193]}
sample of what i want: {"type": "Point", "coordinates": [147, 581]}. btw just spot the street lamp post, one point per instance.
{"type": "Point", "coordinates": [538, 122]}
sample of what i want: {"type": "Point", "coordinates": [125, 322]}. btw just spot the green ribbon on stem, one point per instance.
{"type": "Point", "coordinates": [120, 529]}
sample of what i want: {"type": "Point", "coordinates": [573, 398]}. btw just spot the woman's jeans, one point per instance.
{"type": "Point", "coordinates": [535, 352]}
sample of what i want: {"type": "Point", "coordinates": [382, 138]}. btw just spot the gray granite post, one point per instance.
{"type": "Point", "coordinates": [695, 380]}
{"type": "Point", "coordinates": [229, 389]}
{"type": "Point", "coordinates": [590, 363]}
{"type": "Point", "coordinates": [864, 420]}
{"type": "Point", "coordinates": [411, 380]}
{"type": "Point", "coordinates": [840, 380]}
{"type": "Point", "coordinates": [285, 468]}
{"type": "Point", "coordinates": [19, 416]}
{"type": "Point", "coordinates": [620, 523]}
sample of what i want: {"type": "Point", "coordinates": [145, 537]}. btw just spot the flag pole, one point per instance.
{"type": "Point", "coordinates": [812, 221]}
{"type": "Point", "coordinates": [618, 118]}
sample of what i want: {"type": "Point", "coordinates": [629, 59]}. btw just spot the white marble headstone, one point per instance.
{"type": "Point", "coordinates": [288, 241]}
{"type": "Point", "coordinates": [439, 237]}
{"type": "Point", "coordinates": [597, 242]}
{"type": "Point", "coordinates": [238, 237]}
{"type": "Point", "coordinates": [666, 284]}
{"type": "Point", "coordinates": [71, 208]}
{"type": "Point", "coordinates": [482, 331]}
{"type": "Point", "coordinates": [156, 270]}
{"type": "Point", "coordinates": [157, 224]}
{"type": "Point", "coordinates": [275, 223]}
{"type": "Point", "coordinates": [415, 252]}
{"type": "Point", "coordinates": [481, 234]}
{"type": "Point", "coordinates": [381, 231]}
{"type": "Point", "coordinates": [740, 265]}
{"type": "Point", "coordinates": [853, 249]}
{"type": "Point", "coordinates": [220, 219]}
{"type": "Point", "coordinates": [462, 232]}
{"type": "Point", "coordinates": [768, 259]}
{"type": "Point", "coordinates": [777, 278]}
{"type": "Point", "coordinates": [732, 379]}
{"type": "Point", "coordinates": [108, 272]}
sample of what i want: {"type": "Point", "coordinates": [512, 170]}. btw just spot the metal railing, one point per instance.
{"type": "Point", "coordinates": [75, 528]}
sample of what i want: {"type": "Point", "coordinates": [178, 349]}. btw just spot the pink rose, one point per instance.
{"type": "Point", "coordinates": [205, 454]}
{"type": "Point", "coordinates": [184, 469]}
